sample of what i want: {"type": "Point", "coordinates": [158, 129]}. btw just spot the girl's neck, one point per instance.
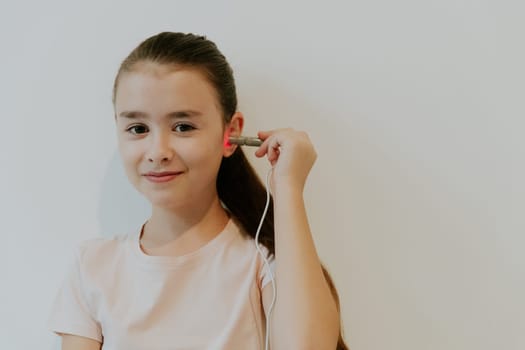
{"type": "Point", "coordinates": [171, 232]}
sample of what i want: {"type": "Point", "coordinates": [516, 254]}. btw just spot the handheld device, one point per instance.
{"type": "Point", "coordinates": [245, 141]}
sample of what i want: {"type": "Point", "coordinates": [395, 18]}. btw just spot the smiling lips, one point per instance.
{"type": "Point", "coordinates": [164, 176]}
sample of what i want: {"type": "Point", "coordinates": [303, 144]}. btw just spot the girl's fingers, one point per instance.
{"type": "Point", "coordinates": [264, 147]}
{"type": "Point", "coordinates": [261, 151]}
{"type": "Point", "coordinates": [289, 152]}
{"type": "Point", "coordinates": [263, 135]}
{"type": "Point", "coordinates": [273, 154]}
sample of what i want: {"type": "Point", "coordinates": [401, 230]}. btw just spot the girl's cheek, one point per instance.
{"type": "Point", "coordinates": [129, 157]}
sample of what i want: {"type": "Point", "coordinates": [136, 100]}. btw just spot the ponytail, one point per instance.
{"type": "Point", "coordinates": [243, 193]}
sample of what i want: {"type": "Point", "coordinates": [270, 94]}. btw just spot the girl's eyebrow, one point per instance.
{"type": "Point", "coordinates": [173, 115]}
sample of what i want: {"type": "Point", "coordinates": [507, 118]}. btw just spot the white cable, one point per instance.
{"type": "Point", "coordinates": [266, 262]}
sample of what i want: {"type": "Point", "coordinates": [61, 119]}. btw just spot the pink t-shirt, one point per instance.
{"type": "Point", "coordinates": [208, 299]}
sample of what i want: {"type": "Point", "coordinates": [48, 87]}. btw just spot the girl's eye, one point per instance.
{"type": "Point", "coordinates": [183, 127]}
{"type": "Point", "coordinates": [137, 129]}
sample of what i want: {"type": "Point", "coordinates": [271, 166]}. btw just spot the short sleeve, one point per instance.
{"type": "Point", "coordinates": [71, 312]}
{"type": "Point", "coordinates": [264, 276]}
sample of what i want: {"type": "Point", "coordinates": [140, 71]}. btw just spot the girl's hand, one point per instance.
{"type": "Point", "coordinates": [290, 153]}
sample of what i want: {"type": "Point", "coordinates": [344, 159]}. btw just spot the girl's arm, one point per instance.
{"type": "Point", "coordinates": [74, 342]}
{"type": "Point", "coordinates": [305, 314]}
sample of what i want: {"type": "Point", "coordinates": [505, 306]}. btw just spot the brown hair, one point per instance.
{"type": "Point", "coordinates": [235, 172]}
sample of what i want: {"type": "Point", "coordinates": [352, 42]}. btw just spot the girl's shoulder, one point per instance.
{"type": "Point", "coordinates": [101, 250]}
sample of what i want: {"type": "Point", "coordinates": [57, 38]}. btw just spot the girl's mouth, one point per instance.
{"type": "Point", "coordinates": [159, 177]}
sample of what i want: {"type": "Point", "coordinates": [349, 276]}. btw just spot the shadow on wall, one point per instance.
{"type": "Point", "coordinates": [121, 208]}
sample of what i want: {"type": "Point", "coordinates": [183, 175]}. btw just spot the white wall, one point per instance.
{"type": "Point", "coordinates": [416, 109]}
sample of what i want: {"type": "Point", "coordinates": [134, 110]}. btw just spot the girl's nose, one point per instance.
{"type": "Point", "coordinates": [160, 150]}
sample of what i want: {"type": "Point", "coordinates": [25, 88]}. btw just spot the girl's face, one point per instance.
{"type": "Point", "coordinates": [171, 134]}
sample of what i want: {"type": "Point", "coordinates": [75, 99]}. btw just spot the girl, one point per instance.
{"type": "Point", "coordinates": [191, 276]}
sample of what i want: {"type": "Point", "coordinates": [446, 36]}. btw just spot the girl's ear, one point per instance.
{"type": "Point", "coordinates": [233, 128]}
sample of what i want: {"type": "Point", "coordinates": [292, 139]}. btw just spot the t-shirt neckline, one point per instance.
{"type": "Point", "coordinates": [227, 233]}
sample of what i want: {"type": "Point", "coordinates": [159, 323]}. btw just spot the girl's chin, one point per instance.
{"type": "Point", "coordinates": [163, 200]}
{"type": "Point", "coordinates": [165, 204]}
